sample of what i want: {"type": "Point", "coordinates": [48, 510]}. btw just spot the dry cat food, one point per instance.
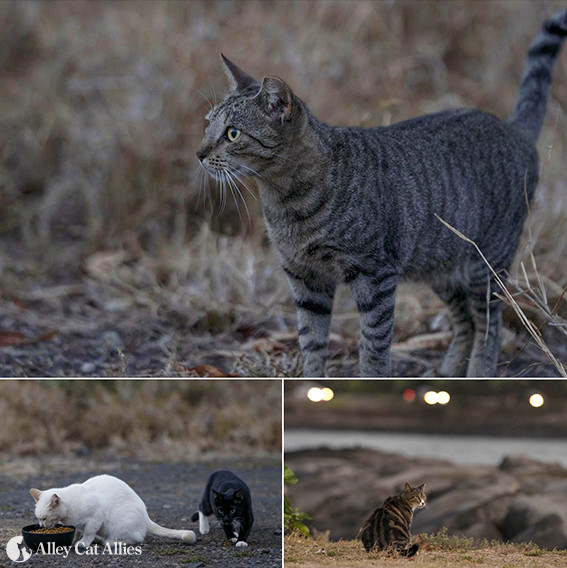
{"type": "Point", "coordinates": [55, 530]}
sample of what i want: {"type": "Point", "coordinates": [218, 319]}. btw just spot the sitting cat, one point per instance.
{"type": "Point", "coordinates": [103, 507]}
{"type": "Point", "coordinates": [388, 528]}
{"type": "Point", "coordinates": [228, 497]}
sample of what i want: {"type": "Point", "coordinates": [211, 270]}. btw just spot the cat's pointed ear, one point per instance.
{"type": "Point", "coordinates": [239, 80]}
{"type": "Point", "coordinates": [238, 495]}
{"type": "Point", "coordinates": [407, 487]}
{"type": "Point", "coordinates": [54, 502]}
{"type": "Point", "coordinates": [422, 486]}
{"type": "Point", "coordinates": [277, 97]}
{"type": "Point", "coordinates": [36, 494]}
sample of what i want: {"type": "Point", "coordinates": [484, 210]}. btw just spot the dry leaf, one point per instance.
{"type": "Point", "coordinates": [12, 337]}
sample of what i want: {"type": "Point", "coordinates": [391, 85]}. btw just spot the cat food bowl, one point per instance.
{"type": "Point", "coordinates": [59, 535]}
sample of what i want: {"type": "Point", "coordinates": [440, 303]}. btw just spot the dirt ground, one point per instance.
{"type": "Point", "coordinates": [171, 492]}
{"type": "Point", "coordinates": [351, 554]}
{"type": "Point", "coordinates": [84, 329]}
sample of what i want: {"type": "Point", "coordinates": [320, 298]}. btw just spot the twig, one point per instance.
{"type": "Point", "coordinates": [532, 330]}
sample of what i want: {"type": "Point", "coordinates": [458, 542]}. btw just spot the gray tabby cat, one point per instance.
{"type": "Point", "coordinates": [388, 528]}
{"type": "Point", "coordinates": [359, 205]}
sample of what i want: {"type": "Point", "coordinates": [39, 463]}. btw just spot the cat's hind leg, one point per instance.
{"type": "Point", "coordinates": [455, 362]}
{"type": "Point", "coordinates": [487, 315]}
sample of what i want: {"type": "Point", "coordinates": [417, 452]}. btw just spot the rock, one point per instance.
{"type": "Point", "coordinates": [549, 532]}
{"type": "Point", "coordinates": [522, 500]}
{"type": "Point", "coordinates": [540, 519]}
{"type": "Point", "coordinates": [526, 464]}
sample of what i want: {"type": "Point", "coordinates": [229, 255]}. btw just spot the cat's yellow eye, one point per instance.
{"type": "Point", "coordinates": [232, 133]}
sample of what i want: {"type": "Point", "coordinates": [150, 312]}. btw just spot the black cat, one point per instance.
{"type": "Point", "coordinates": [228, 498]}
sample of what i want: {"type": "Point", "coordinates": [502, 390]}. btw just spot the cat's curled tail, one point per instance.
{"type": "Point", "coordinates": [534, 89]}
{"type": "Point", "coordinates": [157, 530]}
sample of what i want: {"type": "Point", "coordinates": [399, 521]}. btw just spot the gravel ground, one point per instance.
{"type": "Point", "coordinates": [67, 331]}
{"type": "Point", "coordinates": [171, 492]}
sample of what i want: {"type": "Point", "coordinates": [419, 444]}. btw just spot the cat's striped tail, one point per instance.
{"type": "Point", "coordinates": [536, 82]}
{"type": "Point", "coordinates": [157, 530]}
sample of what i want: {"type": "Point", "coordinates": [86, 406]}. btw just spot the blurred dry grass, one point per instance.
{"type": "Point", "coordinates": [455, 551]}
{"type": "Point", "coordinates": [101, 112]}
{"type": "Point", "coordinates": [165, 419]}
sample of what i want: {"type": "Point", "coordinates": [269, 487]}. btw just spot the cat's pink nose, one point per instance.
{"type": "Point", "coordinates": [201, 155]}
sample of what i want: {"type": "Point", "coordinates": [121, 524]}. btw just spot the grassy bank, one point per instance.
{"type": "Point", "coordinates": [141, 418]}
{"type": "Point", "coordinates": [436, 551]}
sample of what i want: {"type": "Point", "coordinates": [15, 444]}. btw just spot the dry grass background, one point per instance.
{"type": "Point", "coordinates": [145, 419]}
{"type": "Point", "coordinates": [445, 551]}
{"type": "Point", "coordinates": [101, 111]}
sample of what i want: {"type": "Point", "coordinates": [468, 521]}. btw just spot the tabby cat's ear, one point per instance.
{"type": "Point", "coordinates": [422, 486]}
{"type": "Point", "coordinates": [36, 494]}
{"type": "Point", "coordinates": [277, 97]}
{"type": "Point", "coordinates": [407, 487]}
{"type": "Point", "coordinates": [239, 80]}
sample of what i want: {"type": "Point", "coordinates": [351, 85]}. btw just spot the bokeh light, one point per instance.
{"type": "Point", "coordinates": [443, 397]}
{"type": "Point", "coordinates": [431, 397]}
{"type": "Point", "coordinates": [409, 395]}
{"type": "Point", "coordinates": [316, 394]}
{"type": "Point", "coordinates": [327, 394]}
{"type": "Point", "coordinates": [536, 400]}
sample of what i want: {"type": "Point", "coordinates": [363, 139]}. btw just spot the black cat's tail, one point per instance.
{"type": "Point", "coordinates": [195, 517]}
{"type": "Point", "coordinates": [536, 82]}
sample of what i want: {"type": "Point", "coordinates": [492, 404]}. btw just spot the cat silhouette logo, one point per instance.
{"type": "Point", "coordinates": [16, 550]}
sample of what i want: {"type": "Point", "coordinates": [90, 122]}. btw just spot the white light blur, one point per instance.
{"type": "Point", "coordinates": [536, 400]}
{"type": "Point", "coordinates": [315, 394]}
{"type": "Point", "coordinates": [431, 397]}
{"type": "Point", "coordinates": [327, 394]}
{"type": "Point", "coordinates": [443, 397]}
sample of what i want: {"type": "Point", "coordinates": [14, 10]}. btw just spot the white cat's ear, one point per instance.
{"type": "Point", "coordinates": [407, 487]}
{"type": "Point", "coordinates": [36, 494]}
{"type": "Point", "coordinates": [239, 80]}
{"type": "Point", "coordinates": [54, 501]}
{"type": "Point", "coordinates": [277, 97]}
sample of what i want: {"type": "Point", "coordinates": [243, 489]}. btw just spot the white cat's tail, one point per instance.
{"type": "Point", "coordinates": [157, 530]}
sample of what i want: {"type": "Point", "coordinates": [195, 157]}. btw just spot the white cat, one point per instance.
{"type": "Point", "coordinates": [103, 507]}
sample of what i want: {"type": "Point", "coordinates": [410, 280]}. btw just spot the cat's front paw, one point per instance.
{"type": "Point", "coordinates": [233, 540]}
{"type": "Point", "coordinates": [241, 543]}
{"type": "Point", "coordinates": [203, 524]}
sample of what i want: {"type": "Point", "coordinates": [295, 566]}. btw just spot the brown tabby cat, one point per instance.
{"type": "Point", "coordinates": [388, 528]}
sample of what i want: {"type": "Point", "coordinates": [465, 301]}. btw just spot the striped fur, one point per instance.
{"type": "Point", "coordinates": [358, 206]}
{"type": "Point", "coordinates": [388, 528]}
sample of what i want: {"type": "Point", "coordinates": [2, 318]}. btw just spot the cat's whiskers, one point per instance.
{"type": "Point", "coordinates": [214, 92]}
{"type": "Point", "coordinates": [223, 192]}
{"type": "Point", "coordinates": [240, 179]}
{"type": "Point", "coordinates": [231, 187]}
{"type": "Point", "coordinates": [251, 170]}
{"type": "Point", "coordinates": [207, 99]}
{"type": "Point", "coordinates": [233, 179]}
{"type": "Point", "coordinates": [204, 186]}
